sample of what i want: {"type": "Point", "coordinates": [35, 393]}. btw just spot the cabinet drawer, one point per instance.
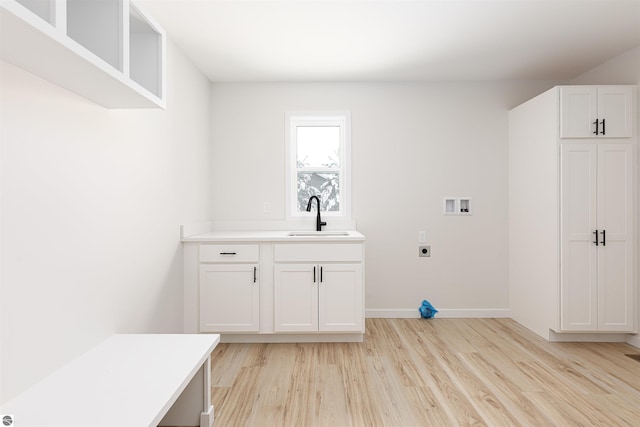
{"type": "Point", "coordinates": [229, 253]}
{"type": "Point", "coordinates": [310, 252]}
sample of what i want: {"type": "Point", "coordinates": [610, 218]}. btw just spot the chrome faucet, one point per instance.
{"type": "Point", "coordinates": [319, 222]}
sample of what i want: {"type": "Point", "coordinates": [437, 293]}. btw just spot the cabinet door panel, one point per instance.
{"type": "Point", "coordinates": [615, 307]}
{"type": "Point", "coordinates": [229, 299]}
{"type": "Point", "coordinates": [578, 111]}
{"type": "Point", "coordinates": [615, 107]}
{"type": "Point", "coordinates": [582, 106]}
{"type": "Point", "coordinates": [615, 191]}
{"type": "Point", "coordinates": [341, 298]}
{"type": "Point", "coordinates": [615, 258]}
{"type": "Point", "coordinates": [578, 252]}
{"type": "Point", "coordinates": [579, 287]}
{"type": "Point", "coordinates": [295, 298]}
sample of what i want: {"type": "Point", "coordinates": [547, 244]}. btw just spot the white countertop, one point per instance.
{"type": "Point", "coordinates": [277, 236]}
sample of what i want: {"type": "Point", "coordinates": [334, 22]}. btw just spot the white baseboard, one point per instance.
{"type": "Point", "coordinates": [291, 338]}
{"type": "Point", "coordinates": [444, 313]}
{"type": "Point", "coordinates": [391, 314]}
{"type": "Point", "coordinates": [634, 340]}
{"type": "Point", "coordinates": [586, 337]}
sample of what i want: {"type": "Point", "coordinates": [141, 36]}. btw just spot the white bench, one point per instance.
{"type": "Point", "coordinates": [127, 380]}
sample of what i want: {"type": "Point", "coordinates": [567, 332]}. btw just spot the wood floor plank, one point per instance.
{"type": "Point", "coordinates": [237, 404]}
{"type": "Point", "coordinates": [437, 372]}
{"type": "Point", "coordinates": [233, 357]}
{"type": "Point", "coordinates": [553, 356]}
{"type": "Point", "coordinates": [621, 369]}
{"type": "Point", "coordinates": [273, 404]}
{"type": "Point", "coordinates": [429, 409]}
{"type": "Point", "coordinates": [257, 356]}
{"type": "Point", "coordinates": [302, 386]}
{"type": "Point", "coordinates": [625, 410]}
{"type": "Point", "coordinates": [331, 404]}
{"type": "Point", "coordinates": [389, 395]}
{"type": "Point", "coordinates": [557, 410]}
{"type": "Point", "coordinates": [448, 343]}
{"type": "Point", "coordinates": [565, 393]}
{"type": "Point", "coordinates": [509, 394]}
{"type": "Point", "coordinates": [358, 384]}
{"type": "Point", "coordinates": [460, 410]}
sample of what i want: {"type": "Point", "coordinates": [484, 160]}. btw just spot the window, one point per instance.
{"type": "Point", "coordinates": [318, 163]}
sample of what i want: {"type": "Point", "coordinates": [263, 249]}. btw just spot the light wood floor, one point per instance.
{"type": "Point", "coordinates": [438, 372]}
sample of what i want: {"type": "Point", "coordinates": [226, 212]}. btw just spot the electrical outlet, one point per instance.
{"type": "Point", "coordinates": [424, 251]}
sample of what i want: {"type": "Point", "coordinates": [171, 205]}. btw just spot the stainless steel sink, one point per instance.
{"type": "Point", "coordinates": [318, 233]}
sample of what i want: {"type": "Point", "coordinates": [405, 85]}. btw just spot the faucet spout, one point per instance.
{"type": "Point", "coordinates": [319, 222]}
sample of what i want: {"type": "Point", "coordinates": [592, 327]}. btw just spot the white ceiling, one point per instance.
{"type": "Point", "coordinates": [397, 40]}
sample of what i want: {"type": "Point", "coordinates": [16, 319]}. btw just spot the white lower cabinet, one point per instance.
{"type": "Point", "coordinates": [323, 297]}
{"type": "Point", "coordinates": [318, 287]}
{"type": "Point", "coordinates": [229, 298]}
{"type": "Point", "coordinates": [275, 291]}
{"type": "Point", "coordinates": [229, 289]}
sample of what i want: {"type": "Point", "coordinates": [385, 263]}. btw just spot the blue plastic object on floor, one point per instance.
{"type": "Point", "coordinates": [427, 311]}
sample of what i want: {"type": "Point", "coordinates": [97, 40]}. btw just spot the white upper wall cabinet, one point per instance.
{"type": "Point", "coordinates": [108, 51]}
{"type": "Point", "coordinates": [97, 25]}
{"type": "Point", "coordinates": [146, 52]}
{"type": "Point", "coordinates": [596, 112]}
{"type": "Point", "coordinates": [43, 8]}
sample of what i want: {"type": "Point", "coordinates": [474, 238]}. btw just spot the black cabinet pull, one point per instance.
{"type": "Point", "coordinates": [604, 238]}
{"type": "Point", "coordinates": [227, 253]}
{"type": "Point", "coordinates": [255, 271]}
{"type": "Point", "coordinates": [596, 236]}
{"type": "Point", "coordinates": [314, 274]}
{"type": "Point", "coordinates": [603, 132]}
{"type": "Point", "coordinates": [320, 274]}
{"type": "Point", "coordinates": [595, 123]}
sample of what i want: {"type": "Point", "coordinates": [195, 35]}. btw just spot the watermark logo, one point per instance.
{"type": "Point", "coordinates": [7, 420]}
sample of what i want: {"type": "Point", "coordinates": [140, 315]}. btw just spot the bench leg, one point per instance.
{"type": "Point", "coordinates": [193, 408]}
{"type": "Point", "coordinates": [206, 417]}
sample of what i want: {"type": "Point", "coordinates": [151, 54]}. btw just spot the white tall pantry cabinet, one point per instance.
{"type": "Point", "coordinates": [573, 212]}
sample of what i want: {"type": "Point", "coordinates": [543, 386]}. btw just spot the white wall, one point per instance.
{"type": "Point", "coordinates": [622, 69]}
{"type": "Point", "coordinates": [92, 201]}
{"type": "Point", "coordinates": [412, 145]}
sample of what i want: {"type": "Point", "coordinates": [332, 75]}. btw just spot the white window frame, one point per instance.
{"type": "Point", "coordinates": [341, 119]}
